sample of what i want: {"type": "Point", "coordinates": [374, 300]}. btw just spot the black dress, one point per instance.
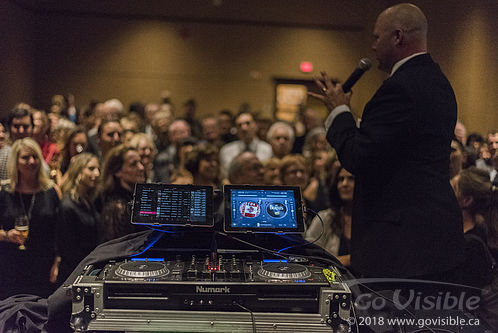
{"type": "Point", "coordinates": [115, 214]}
{"type": "Point", "coordinates": [77, 234]}
{"type": "Point", "coordinates": [28, 271]}
{"type": "Point", "coordinates": [476, 268]}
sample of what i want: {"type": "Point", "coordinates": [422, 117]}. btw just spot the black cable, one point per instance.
{"type": "Point", "coordinates": [314, 241]}
{"type": "Point", "coordinates": [355, 321]}
{"type": "Point", "coordinates": [335, 263]}
{"type": "Point", "coordinates": [250, 312]}
{"type": "Point", "coordinates": [250, 244]}
{"type": "Point", "coordinates": [343, 267]}
{"type": "Point", "coordinates": [284, 255]}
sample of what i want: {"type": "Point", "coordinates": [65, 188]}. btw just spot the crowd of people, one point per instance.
{"type": "Point", "coordinates": [69, 174]}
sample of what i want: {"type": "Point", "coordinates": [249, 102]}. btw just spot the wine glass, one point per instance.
{"type": "Point", "coordinates": [22, 225]}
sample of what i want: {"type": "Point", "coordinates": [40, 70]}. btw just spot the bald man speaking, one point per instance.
{"type": "Point", "coordinates": [406, 220]}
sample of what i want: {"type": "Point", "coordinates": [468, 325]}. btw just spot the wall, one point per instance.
{"type": "Point", "coordinates": [223, 65]}
{"type": "Point", "coordinates": [220, 65]}
{"type": "Point", "coordinates": [16, 61]}
{"type": "Point", "coordinates": [463, 37]}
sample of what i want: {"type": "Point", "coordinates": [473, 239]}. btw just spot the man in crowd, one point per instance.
{"type": "Point", "coordinates": [109, 135]}
{"type": "Point", "coordinates": [210, 132]}
{"type": "Point", "coordinates": [246, 169]}
{"type": "Point", "coordinates": [177, 131]}
{"type": "Point", "coordinates": [20, 123]}
{"type": "Point", "coordinates": [493, 152]}
{"type": "Point", "coordinates": [225, 126]}
{"type": "Point", "coordinates": [189, 111]}
{"type": "Point", "coordinates": [281, 138]}
{"type": "Point", "coordinates": [248, 141]}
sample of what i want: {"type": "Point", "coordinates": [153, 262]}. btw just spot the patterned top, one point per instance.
{"type": "Point", "coordinates": [4, 155]}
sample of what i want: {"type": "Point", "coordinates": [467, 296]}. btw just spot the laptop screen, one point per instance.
{"type": "Point", "coordinates": [274, 209]}
{"type": "Point", "coordinates": [173, 205]}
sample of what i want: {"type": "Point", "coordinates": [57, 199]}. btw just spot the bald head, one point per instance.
{"type": "Point", "coordinates": [246, 168]}
{"type": "Point", "coordinates": [399, 32]}
{"type": "Point", "coordinates": [409, 18]}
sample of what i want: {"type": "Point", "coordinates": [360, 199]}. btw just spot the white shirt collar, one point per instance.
{"type": "Point", "coordinates": [252, 145]}
{"type": "Point", "coordinates": [402, 61]}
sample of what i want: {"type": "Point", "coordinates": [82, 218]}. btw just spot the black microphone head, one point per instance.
{"type": "Point", "coordinates": [365, 64]}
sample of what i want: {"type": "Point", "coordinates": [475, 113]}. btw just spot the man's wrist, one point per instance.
{"type": "Point", "coordinates": [334, 113]}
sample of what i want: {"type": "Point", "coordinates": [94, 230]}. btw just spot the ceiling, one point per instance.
{"type": "Point", "coordinates": [320, 14]}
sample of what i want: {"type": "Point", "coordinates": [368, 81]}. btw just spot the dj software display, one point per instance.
{"type": "Point", "coordinates": [219, 289]}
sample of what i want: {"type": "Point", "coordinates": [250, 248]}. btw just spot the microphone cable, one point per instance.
{"type": "Point", "coordinates": [250, 312]}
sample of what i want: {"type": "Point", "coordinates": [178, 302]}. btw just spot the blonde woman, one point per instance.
{"type": "Point", "coordinates": [77, 228]}
{"type": "Point", "coordinates": [27, 259]}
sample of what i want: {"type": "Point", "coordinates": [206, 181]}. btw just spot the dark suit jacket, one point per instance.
{"type": "Point", "coordinates": [406, 220]}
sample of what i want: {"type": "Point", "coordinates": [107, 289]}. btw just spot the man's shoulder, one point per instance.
{"type": "Point", "coordinates": [5, 150]}
{"type": "Point", "coordinates": [419, 60]}
{"type": "Point", "coordinates": [420, 66]}
{"type": "Point", "coordinates": [419, 75]}
{"type": "Point", "coordinates": [262, 143]}
{"type": "Point", "coordinates": [230, 146]}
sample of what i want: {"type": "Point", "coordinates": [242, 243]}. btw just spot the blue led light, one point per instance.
{"type": "Point", "coordinates": [285, 248]}
{"type": "Point", "coordinates": [156, 238]}
{"type": "Point", "coordinates": [147, 259]}
{"type": "Point", "coordinates": [274, 260]}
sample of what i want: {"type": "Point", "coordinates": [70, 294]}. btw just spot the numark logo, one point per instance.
{"type": "Point", "coordinates": [212, 290]}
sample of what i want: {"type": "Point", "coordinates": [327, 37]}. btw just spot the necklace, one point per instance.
{"type": "Point", "coordinates": [31, 205]}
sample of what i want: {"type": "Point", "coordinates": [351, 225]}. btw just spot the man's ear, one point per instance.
{"type": "Point", "coordinates": [399, 37]}
{"type": "Point", "coordinates": [117, 174]}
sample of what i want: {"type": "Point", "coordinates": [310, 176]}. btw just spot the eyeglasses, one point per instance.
{"type": "Point", "coordinates": [19, 126]}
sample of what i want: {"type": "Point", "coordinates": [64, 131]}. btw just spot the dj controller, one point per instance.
{"type": "Point", "coordinates": [210, 292]}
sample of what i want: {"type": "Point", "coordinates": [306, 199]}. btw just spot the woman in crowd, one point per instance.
{"type": "Point", "coordinates": [123, 168]}
{"type": "Point", "coordinates": [131, 124]}
{"type": "Point", "coordinates": [294, 172]}
{"type": "Point", "coordinates": [183, 147]}
{"type": "Point", "coordinates": [60, 129]}
{"type": "Point", "coordinates": [147, 151]}
{"type": "Point", "coordinates": [181, 177]}
{"type": "Point", "coordinates": [315, 140]}
{"type": "Point", "coordinates": [76, 143]}
{"type": "Point", "coordinates": [317, 191]}
{"type": "Point", "coordinates": [204, 165]}
{"type": "Point", "coordinates": [272, 171]}
{"type": "Point", "coordinates": [77, 228]}
{"type": "Point", "coordinates": [27, 258]}
{"type": "Point", "coordinates": [41, 135]}
{"type": "Point", "coordinates": [457, 157]}
{"type": "Point", "coordinates": [336, 227]}
{"type": "Point", "coordinates": [478, 199]}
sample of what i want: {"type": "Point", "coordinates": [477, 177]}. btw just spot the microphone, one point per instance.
{"type": "Point", "coordinates": [363, 66]}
